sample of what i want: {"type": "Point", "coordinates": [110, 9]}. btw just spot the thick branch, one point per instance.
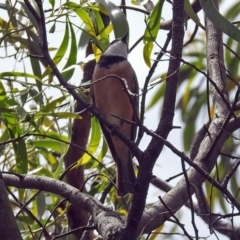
{"type": "Point", "coordinates": [221, 225]}
{"type": "Point", "coordinates": [209, 148]}
{"type": "Point", "coordinates": [216, 69]}
{"type": "Point", "coordinates": [156, 215]}
{"type": "Point", "coordinates": [9, 228]}
{"type": "Point", "coordinates": [108, 223]}
{"type": "Point", "coordinates": [155, 147]}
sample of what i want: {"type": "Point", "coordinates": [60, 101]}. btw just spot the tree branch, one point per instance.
{"type": "Point", "coordinates": [9, 228]}
{"type": "Point", "coordinates": [107, 222]}
{"type": "Point", "coordinates": [155, 147]}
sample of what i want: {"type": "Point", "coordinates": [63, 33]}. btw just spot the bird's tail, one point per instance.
{"type": "Point", "coordinates": [125, 178]}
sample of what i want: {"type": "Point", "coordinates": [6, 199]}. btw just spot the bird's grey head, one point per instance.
{"type": "Point", "coordinates": [118, 47]}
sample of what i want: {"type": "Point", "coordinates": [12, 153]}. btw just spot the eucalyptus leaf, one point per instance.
{"type": "Point", "coordinates": [219, 21]}
{"type": "Point", "coordinates": [117, 17]}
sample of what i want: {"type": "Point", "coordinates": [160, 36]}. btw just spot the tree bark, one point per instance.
{"type": "Point", "coordinates": [9, 228]}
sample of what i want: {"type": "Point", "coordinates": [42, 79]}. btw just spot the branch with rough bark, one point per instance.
{"type": "Point", "coordinates": [106, 221]}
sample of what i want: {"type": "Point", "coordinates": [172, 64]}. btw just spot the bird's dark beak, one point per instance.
{"type": "Point", "coordinates": [125, 37]}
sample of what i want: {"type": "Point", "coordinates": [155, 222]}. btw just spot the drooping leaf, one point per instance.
{"type": "Point", "coordinates": [35, 63]}
{"type": "Point", "coordinates": [24, 97]}
{"type": "Point", "coordinates": [21, 157]}
{"type": "Point", "coordinates": [41, 204]}
{"type": "Point", "coordinates": [53, 27]}
{"type": "Point", "coordinates": [29, 15]}
{"type": "Point", "coordinates": [117, 17]}
{"type": "Point", "coordinates": [63, 47]}
{"type": "Point", "coordinates": [188, 135]}
{"type": "Point", "coordinates": [10, 117]}
{"type": "Point", "coordinates": [219, 21]}
{"type": "Point", "coordinates": [19, 74]}
{"type": "Point", "coordinates": [84, 16]}
{"type": "Point", "coordinates": [102, 154]}
{"type": "Point", "coordinates": [60, 52]}
{"type": "Point", "coordinates": [58, 115]}
{"type": "Point", "coordinates": [94, 142]}
{"type": "Point", "coordinates": [147, 50]}
{"type": "Point", "coordinates": [139, 2]}
{"type": "Point", "coordinates": [72, 57]}
{"type": "Point", "coordinates": [55, 145]}
{"type": "Point", "coordinates": [157, 96]}
{"type": "Point", "coordinates": [189, 10]}
{"type": "Point", "coordinates": [37, 97]}
{"type": "Point", "coordinates": [101, 29]}
{"type": "Point", "coordinates": [50, 106]}
{"type": "Point", "coordinates": [2, 92]}
{"type": "Point", "coordinates": [52, 2]}
{"type": "Point", "coordinates": [86, 36]}
{"type": "Point", "coordinates": [60, 168]}
{"type": "Point", "coordinates": [152, 28]}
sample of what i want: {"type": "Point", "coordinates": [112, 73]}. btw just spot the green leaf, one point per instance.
{"type": "Point", "coordinates": [189, 10]}
{"type": "Point", "coordinates": [138, 2]}
{"type": "Point", "coordinates": [60, 168]}
{"type": "Point", "coordinates": [117, 17]}
{"type": "Point", "coordinates": [60, 52]}
{"type": "Point", "coordinates": [29, 15]}
{"type": "Point", "coordinates": [94, 141]}
{"type": "Point", "coordinates": [2, 92]}
{"type": "Point", "coordinates": [85, 36]}
{"type": "Point", "coordinates": [63, 47]}
{"type": "Point", "coordinates": [41, 204]}
{"type": "Point", "coordinates": [21, 112]}
{"type": "Point", "coordinates": [5, 136]}
{"type": "Point", "coordinates": [10, 118]}
{"type": "Point", "coordinates": [72, 58]}
{"type": "Point", "coordinates": [157, 96]}
{"type": "Point", "coordinates": [32, 46]}
{"type": "Point", "coordinates": [21, 194]}
{"type": "Point", "coordinates": [98, 8]}
{"type": "Point", "coordinates": [84, 40]}
{"type": "Point", "coordinates": [25, 219]}
{"type": "Point", "coordinates": [50, 106]}
{"type": "Point", "coordinates": [24, 96]}
{"type": "Point", "coordinates": [101, 29]}
{"type": "Point", "coordinates": [35, 65]}
{"type": "Point", "coordinates": [52, 2]}
{"type": "Point", "coordinates": [49, 144]}
{"type": "Point", "coordinates": [53, 27]}
{"type": "Point", "coordinates": [12, 133]}
{"type": "Point", "coordinates": [103, 150]}
{"type": "Point", "coordinates": [57, 135]}
{"type": "Point", "coordinates": [83, 14]}
{"type": "Point", "coordinates": [19, 74]}
{"type": "Point", "coordinates": [95, 136]}
{"type": "Point", "coordinates": [88, 31]}
{"type": "Point", "coordinates": [219, 21]}
{"type": "Point", "coordinates": [37, 97]}
{"type": "Point", "coordinates": [102, 154]}
{"type": "Point", "coordinates": [21, 158]}
{"type": "Point", "coordinates": [58, 115]}
{"type": "Point", "coordinates": [147, 50]}
{"type": "Point", "coordinates": [188, 135]}
{"type": "Point", "coordinates": [151, 31]}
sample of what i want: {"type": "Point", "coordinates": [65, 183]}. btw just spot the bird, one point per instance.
{"type": "Point", "coordinates": [113, 102]}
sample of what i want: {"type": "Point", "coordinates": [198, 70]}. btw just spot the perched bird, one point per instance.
{"type": "Point", "coordinates": [112, 101]}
